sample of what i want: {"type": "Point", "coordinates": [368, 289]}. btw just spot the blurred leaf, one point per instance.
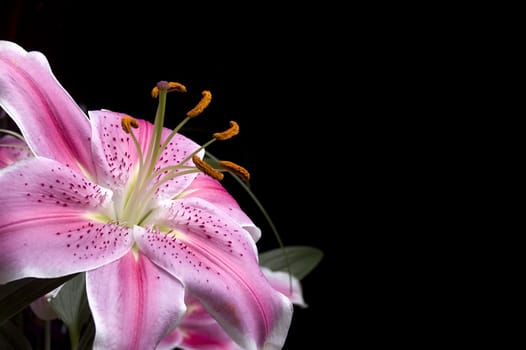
{"type": "Point", "coordinates": [12, 337]}
{"type": "Point", "coordinates": [16, 295]}
{"type": "Point", "coordinates": [87, 335]}
{"type": "Point", "coordinates": [297, 260]}
{"type": "Point", "coordinates": [71, 305]}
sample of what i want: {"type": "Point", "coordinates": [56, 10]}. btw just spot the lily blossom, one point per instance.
{"type": "Point", "coordinates": [199, 330]}
{"type": "Point", "coordinates": [134, 205]}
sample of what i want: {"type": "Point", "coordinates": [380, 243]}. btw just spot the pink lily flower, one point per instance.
{"type": "Point", "coordinates": [200, 331]}
{"type": "Point", "coordinates": [129, 203]}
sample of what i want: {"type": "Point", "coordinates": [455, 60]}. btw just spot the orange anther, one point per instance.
{"type": "Point", "coordinates": [225, 135]}
{"type": "Point", "coordinates": [128, 122]}
{"type": "Point", "coordinates": [236, 169]}
{"type": "Point", "coordinates": [200, 107]}
{"type": "Point", "coordinates": [207, 168]}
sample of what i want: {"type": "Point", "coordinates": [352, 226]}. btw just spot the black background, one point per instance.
{"type": "Point", "coordinates": [274, 69]}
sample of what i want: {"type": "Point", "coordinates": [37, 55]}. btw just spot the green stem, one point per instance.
{"type": "Point", "coordinates": [47, 335]}
{"type": "Point", "coordinates": [73, 337]}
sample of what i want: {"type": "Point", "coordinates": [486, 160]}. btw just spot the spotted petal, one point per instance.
{"type": "Point", "coordinates": [47, 228]}
{"type": "Point", "coordinates": [210, 189]}
{"type": "Point", "coordinates": [216, 260]}
{"type": "Point", "coordinates": [53, 125]}
{"type": "Point", "coordinates": [117, 157]}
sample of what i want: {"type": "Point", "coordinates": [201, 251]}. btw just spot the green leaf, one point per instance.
{"type": "Point", "coordinates": [71, 305]}
{"type": "Point", "coordinates": [297, 260]}
{"type": "Point", "coordinates": [87, 335]}
{"type": "Point", "coordinates": [16, 295]}
{"type": "Point", "coordinates": [12, 337]}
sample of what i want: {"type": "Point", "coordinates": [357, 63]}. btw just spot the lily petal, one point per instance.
{"type": "Point", "coordinates": [197, 331]}
{"type": "Point", "coordinates": [53, 125]}
{"type": "Point", "coordinates": [46, 229]}
{"type": "Point", "coordinates": [12, 149]}
{"type": "Point", "coordinates": [286, 284]}
{"type": "Point", "coordinates": [134, 298]}
{"type": "Point", "coordinates": [42, 306]}
{"type": "Point", "coordinates": [211, 190]}
{"type": "Point", "coordinates": [117, 155]}
{"type": "Point", "coordinates": [199, 337]}
{"type": "Point", "coordinates": [171, 341]}
{"type": "Point", "coordinates": [216, 260]}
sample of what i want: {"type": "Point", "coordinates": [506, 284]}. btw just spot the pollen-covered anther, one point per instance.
{"type": "Point", "coordinates": [236, 169]}
{"type": "Point", "coordinates": [167, 86]}
{"type": "Point", "coordinates": [200, 107]}
{"type": "Point", "coordinates": [128, 122]}
{"type": "Point", "coordinates": [207, 168]}
{"type": "Point", "coordinates": [225, 135]}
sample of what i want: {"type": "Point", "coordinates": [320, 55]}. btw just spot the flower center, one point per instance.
{"type": "Point", "coordinates": [139, 201]}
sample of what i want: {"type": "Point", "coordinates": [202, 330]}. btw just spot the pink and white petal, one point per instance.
{"type": "Point", "coordinates": [47, 228]}
{"type": "Point", "coordinates": [52, 123]}
{"type": "Point", "coordinates": [287, 284]}
{"type": "Point", "coordinates": [204, 337]}
{"type": "Point", "coordinates": [212, 191]}
{"type": "Point", "coordinates": [196, 313]}
{"type": "Point", "coordinates": [216, 260]}
{"type": "Point", "coordinates": [115, 153]}
{"type": "Point", "coordinates": [179, 148]}
{"type": "Point", "coordinates": [198, 330]}
{"type": "Point", "coordinates": [117, 156]}
{"type": "Point", "coordinates": [134, 303]}
{"type": "Point", "coordinates": [171, 341]}
{"type": "Point", "coordinates": [42, 305]}
{"type": "Point", "coordinates": [12, 149]}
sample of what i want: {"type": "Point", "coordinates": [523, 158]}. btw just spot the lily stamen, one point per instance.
{"type": "Point", "coordinates": [236, 169]}
{"type": "Point", "coordinates": [224, 135]}
{"type": "Point", "coordinates": [200, 107]}
{"type": "Point", "coordinates": [167, 86]}
{"type": "Point", "coordinates": [128, 123]}
{"type": "Point", "coordinates": [207, 168]}
{"type": "Point", "coordinates": [151, 176]}
{"type": "Point", "coordinates": [229, 133]}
